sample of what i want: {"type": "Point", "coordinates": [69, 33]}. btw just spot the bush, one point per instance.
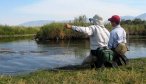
{"type": "Point", "coordinates": [55, 31]}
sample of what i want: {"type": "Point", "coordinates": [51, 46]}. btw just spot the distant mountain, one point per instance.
{"type": "Point", "coordinates": [36, 23]}
{"type": "Point", "coordinates": [127, 17]}
{"type": "Point", "coordinates": [44, 22]}
{"type": "Point", "coordinates": [142, 17]}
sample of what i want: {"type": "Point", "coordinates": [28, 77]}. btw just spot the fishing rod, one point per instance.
{"type": "Point", "coordinates": [128, 49]}
{"type": "Point", "coordinates": [68, 43]}
{"type": "Point", "coordinates": [69, 37]}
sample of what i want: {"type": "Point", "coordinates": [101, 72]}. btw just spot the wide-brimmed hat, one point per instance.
{"type": "Point", "coordinates": [97, 20]}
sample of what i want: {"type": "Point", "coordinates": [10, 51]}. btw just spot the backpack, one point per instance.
{"type": "Point", "coordinates": [104, 57]}
{"type": "Point", "coordinates": [106, 54]}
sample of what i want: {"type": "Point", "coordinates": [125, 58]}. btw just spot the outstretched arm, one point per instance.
{"type": "Point", "coordinates": [86, 30]}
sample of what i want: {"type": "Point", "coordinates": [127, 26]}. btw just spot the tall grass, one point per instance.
{"type": "Point", "coordinates": [134, 29]}
{"type": "Point", "coordinates": [17, 30]}
{"type": "Point", "coordinates": [57, 31]}
{"type": "Point", "coordinates": [138, 29]}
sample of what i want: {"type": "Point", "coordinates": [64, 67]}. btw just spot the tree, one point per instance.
{"type": "Point", "coordinates": [138, 21]}
{"type": "Point", "coordinates": [81, 19]}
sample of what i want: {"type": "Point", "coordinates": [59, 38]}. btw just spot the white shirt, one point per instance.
{"type": "Point", "coordinates": [117, 35]}
{"type": "Point", "coordinates": [99, 36]}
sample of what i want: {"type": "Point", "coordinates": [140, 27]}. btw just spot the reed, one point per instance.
{"type": "Point", "coordinates": [6, 30]}
{"type": "Point", "coordinates": [56, 31]}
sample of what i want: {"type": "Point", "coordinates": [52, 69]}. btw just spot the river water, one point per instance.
{"type": "Point", "coordinates": [22, 56]}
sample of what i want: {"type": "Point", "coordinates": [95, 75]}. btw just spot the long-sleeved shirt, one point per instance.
{"type": "Point", "coordinates": [117, 35]}
{"type": "Point", "coordinates": [99, 36]}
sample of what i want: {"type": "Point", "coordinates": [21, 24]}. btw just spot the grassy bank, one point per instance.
{"type": "Point", "coordinates": [133, 73]}
{"type": "Point", "coordinates": [17, 31]}
{"type": "Point", "coordinates": [11, 39]}
{"type": "Point", "coordinates": [57, 31]}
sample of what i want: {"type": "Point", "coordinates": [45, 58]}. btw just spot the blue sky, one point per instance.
{"type": "Point", "coordinates": [14, 12]}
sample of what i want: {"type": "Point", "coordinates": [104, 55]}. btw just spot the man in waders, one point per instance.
{"type": "Point", "coordinates": [117, 41]}
{"type": "Point", "coordinates": [99, 37]}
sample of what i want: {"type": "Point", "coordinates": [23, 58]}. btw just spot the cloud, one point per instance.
{"type": "Point", "coordinates": [68, 9]}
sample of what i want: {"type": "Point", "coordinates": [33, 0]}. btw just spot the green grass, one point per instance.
{"type": "Point", "coordinates": [57, 30]}
{"type": "Point", "coordinates": [133, 73]}
{"type": "Point", "coordinates": [6, 31]}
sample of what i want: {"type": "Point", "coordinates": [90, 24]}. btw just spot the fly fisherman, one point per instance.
{"type": "Point", "coordinates": [99, 37]}
{"type": "Point", "coordinates": [117, 41]}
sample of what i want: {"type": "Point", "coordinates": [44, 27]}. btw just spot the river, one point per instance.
{"type": "Point", "coordinates": [26, 55]}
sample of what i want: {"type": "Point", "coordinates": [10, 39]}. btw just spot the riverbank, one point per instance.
{"type": "Point", "coordinates": [17, 31]}
{"type": "Point", "coordinates": [133, 73]}
{"type": "Point", "coordinates": [24, 35]}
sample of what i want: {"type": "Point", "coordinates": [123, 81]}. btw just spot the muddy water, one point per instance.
{"type": "Point", "coordinates": [21, 56]}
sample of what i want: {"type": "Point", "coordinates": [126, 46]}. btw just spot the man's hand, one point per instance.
{"type": "Point", "coordinates": [68, 26]}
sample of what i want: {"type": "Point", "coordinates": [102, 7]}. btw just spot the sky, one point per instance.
{"type": "Point", "coordinates": [15, 12]}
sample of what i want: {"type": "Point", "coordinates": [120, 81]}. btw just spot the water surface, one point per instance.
{"type": "Point", "coordinates": [18, 56]}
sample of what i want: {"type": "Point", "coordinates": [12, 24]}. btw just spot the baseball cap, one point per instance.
{"type": "Point", "coordinates": [114, 18]}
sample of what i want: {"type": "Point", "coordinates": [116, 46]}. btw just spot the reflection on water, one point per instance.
{"type": "Point", "coordinates": [137, 48]}
{"type": "Point", "coordinates": [27, 55]}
